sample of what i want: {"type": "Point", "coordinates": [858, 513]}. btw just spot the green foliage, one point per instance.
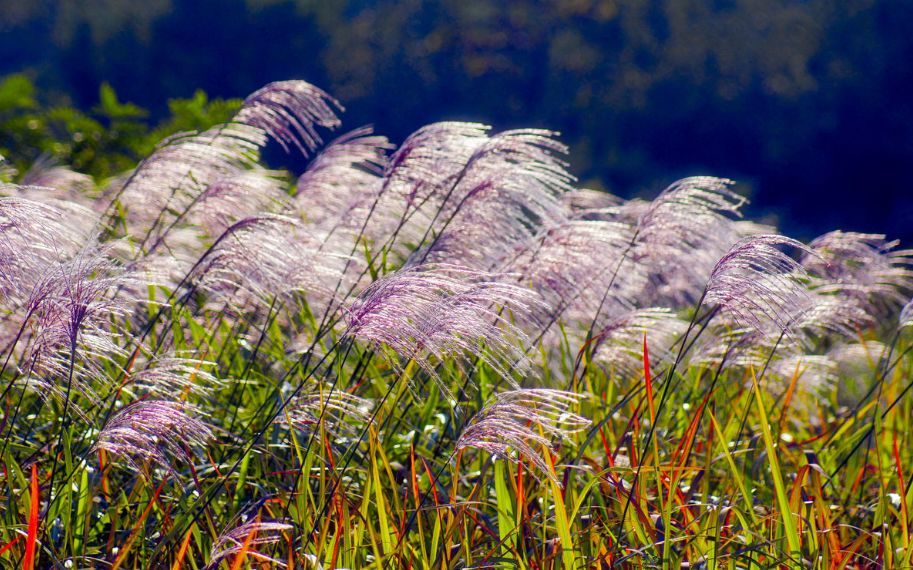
{"type": "Point", "coordinates": [108, 140]}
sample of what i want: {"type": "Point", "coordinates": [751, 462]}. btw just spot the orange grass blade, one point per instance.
{"type": "Point", "coordinates": [242, 556]}
{"type": "Point", "coordinates": [683, 451]}
{"type": "Point", "coordinates": [416, 493]}
{"type": "Point", "coordinates": [182, 552]}
{"type": "Point", "coordinates": [788, 397]}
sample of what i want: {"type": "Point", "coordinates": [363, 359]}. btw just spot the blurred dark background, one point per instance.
{"type": "Point", "coordinates": [807, 103]}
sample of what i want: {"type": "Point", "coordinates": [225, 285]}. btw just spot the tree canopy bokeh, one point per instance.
{"type": "Point", "coordinates": [807, 102]}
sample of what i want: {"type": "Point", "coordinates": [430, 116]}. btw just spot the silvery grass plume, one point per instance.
{"type": "Point", "coordinates": [46, 172]}
{"type": "Point", "coordinates": [290, 112]}
{"type": "Point", "coordinates": [822, 321]}
{"type": "Point", "coordinates": [758, 285]}
{"type": "Point", "coordinates": [75, 308]}
{"type": "Point", "coordinates": [430, 161]}
{"type": "Point", "coordinates": [571, 267]}
{"type": "Point", "coordinates": [232, 198]}
{"type": "Point", "coordinates": [724, 341]}
{"type": "Point", "coordinates": [507, 191]}
{"type": "Point", "coordinates": [33, 237]}
{"type": "Point", "coordinates": [269, 257]}
{"type": "Point", "coordinates": [864, 267]}
{"type": "Point", "coordinates": [162, 270]}
{"type": "Point", "coordinates": [338, 412]}
{"type": "Point", "coordinates": [691, 219]}
{"type": "Point", "coordinates": [814, 373]}
{"type": "Point", "coordinates": [167, 182]}
{"type": "Point", "coordinates": [78, 212]}
{"type": "Point", "coordinates": [418, 179]}
{"type": "Point", "coordinates": [344, 176]}
{"type": "Point", "coordinates": [858, 359]}
{"type": "Point", "coordinates": [619, 346]}
{"type": "Point", "coordinates": [524, 424]}
{"type": "Point", "coordinates": [248, 537]}
{"type": "Point", "coordinates": [815, 321]}
{"type": "Point", "coordinates": [857, 365]}
{"type": "Point", "coordinates": [159, 432]}
{"type": "Point", "coordinates": [433, 312]}
{"type": "Point", "coordinates": [340, 196]}
{"type": "Point", "coordinates": [828, 318]}
{"type": "Point", "coordinates": [173, 375]}
{"type": "Point", "coordinates": [586, 204]}
{"type": "Point", "coordinates": [906, 316]}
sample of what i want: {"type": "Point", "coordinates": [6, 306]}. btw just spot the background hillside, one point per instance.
{"type": "Point", "coordinates": [807, 103]}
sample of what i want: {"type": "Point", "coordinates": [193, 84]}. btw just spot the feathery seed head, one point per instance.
{"type": "Point", "coordinates": [906, 316]}
{"type": "Point", "coordinates": [864, 267]}
{"type": "Point", "coordinates": [248, 536]}
{"type": "Point", "coordinates": [290, 112]}
{"type": "Point", "coordinates": [236, 197]}
{"type": "Point", "coordinates": [692, 219]}
{"type": "Point", "coordinates": [435, 311]}
{"type": "Point", "coordinates": [338, 411]}
{"type": "Point", "coordinates": [183, 166]}
{"type": "Point", "coordinates": [266, 257]}
{"type": "Point", "coordinates": [156, 431]}
{"type": "Point", "coordinates": [430, 157]}
{"type": "Point", "coordinates": [619, 345]}
{"type": "Point", "coordinates": [524, 422]}
{"type": "Point", "coordinates": [174, 375]}
{"type": "Point", "coordinates": [759, 285]}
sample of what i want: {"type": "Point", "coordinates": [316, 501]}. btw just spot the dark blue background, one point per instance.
{"type": "Point", "coordinates": [808, 104]}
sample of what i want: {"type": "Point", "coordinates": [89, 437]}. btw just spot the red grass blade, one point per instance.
{"type": "Point", "coordinates": [9, 544]}
{"type": "Point", "coordinates": [29, 562]}
{"type": "Point", "coordinates": [648, 378]}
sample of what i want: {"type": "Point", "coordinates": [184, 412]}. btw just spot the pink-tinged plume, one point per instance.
{"type": "Point", "coordinates": [238, 196]}
{"type": "Point", "coordinates": [691, 220]}
{"type": "Point", "coordinates": [524, 423]}
{"type": "Point", "coordinates": [863, 267]}
{"type": "Point", "coordinates": [262, 258]}
{"type": "Point", "coordinates": [572, 266]}
{"type": "Point", "coordinates": [155, 431]}
{"type": "Point", "coordinates": [430, 161]}
{"type": "Point", "coordinates": [507, 191]}
{"type": "Point", "coordinates": [168, 181]}
{"type": "Point", "coordinates": [433, 312]}
{"type": "Point", "coordinates": [248, 538]}
{"type": "Point", "coordinates": [290, 112]}
{"type": "Point", "coordinates": [619, 345]}
{"type": "Point", "coordinates": [341, 414]}
{"type": "Point", "coordinates": [758, 285]}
